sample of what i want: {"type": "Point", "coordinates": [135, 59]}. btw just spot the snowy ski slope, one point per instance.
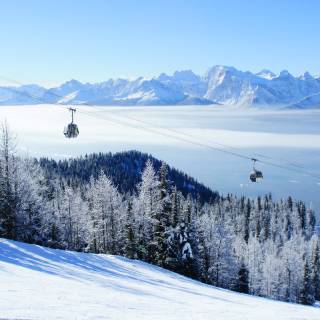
{"type": "Point", "coordinates": [42, 283]}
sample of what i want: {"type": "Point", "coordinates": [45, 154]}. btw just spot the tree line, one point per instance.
{"type": "Point", "coordinates": [257, 246]}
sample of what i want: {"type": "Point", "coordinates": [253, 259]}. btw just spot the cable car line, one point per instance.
{"type": "Point", "coordinates": [311, 174]}
{"type": "Point", "coordinates": [297, 165]}
{"type": "Point", "coordinates": [230, 152]}
{"type": "Point", "coordinates": [215, 142]}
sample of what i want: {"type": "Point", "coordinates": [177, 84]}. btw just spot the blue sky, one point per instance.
{"type": "Point", "coordinates": [49, 42]}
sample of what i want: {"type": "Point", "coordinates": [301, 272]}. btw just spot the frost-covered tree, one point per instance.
{"type": "Point", "coordinates": [223, 265]}
{"type": "Point", "coordinates": [28, 195]}
{"type": "Point", "coordinates": [146, 208]}
{"type": "Point", "coordinates": [105, 204]}
{"type": "Point", "coordinates": [73, 221]}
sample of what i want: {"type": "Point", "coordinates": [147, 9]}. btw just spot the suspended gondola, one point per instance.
{"type": "Point", "coordinates": [71, 130]}
{"type": "Point", "coordinates": [255, 175]}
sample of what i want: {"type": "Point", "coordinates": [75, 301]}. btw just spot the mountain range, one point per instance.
{"type": "Point", "coordinates": [220, 85]}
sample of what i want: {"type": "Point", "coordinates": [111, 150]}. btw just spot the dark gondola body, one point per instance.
{"type": "Point", "coordinates": [71, 130]}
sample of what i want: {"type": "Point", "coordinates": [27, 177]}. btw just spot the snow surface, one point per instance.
{"type": "Point", "coordinates": [41, 283]}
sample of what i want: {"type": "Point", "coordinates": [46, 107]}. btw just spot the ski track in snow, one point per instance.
{"type": "Point", "coordinates": [42, 283]}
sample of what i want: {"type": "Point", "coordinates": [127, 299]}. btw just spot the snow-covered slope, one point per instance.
{"type": "Point", "coordinates": [310, 102]}
{"type": "Point", "coordinates": [220, 84]}
{"type": "Point", "coordinates": [41, 283]}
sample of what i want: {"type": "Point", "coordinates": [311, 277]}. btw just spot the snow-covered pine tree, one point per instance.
{"type": "Point", "coordinates": [73, 220]}
{"type": "Point", "coordinates": [242, 282]}
{"type": "Point", "coordinates": [161, 220]}
{"type": "Point", "coordinates": [255, 261]}
{"type": "Point", "coordinates": [30, 205]}
{"type": "Point", "coordinates": [105, 204]}
{"type": "Point", "coordinates": [130, 249]}
{"type": "Point", "coordinates": [7, 168]}
{"type": "Point", "coordinates": [247, 214]}
{"type": "Point", "coordinates": [189, 240]}
{"type": "Point", "coordinates": [307, 290]}
{"type": "Point", "coordinates": [315, 266]}
{"type": "Point", "coordinates": [175, 207]}
{"type": "Point", "coordinates": [146, 208]}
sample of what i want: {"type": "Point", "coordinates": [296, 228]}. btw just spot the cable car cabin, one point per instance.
{"type": "Point", "coordinates": [71, 131]}
{"type": "Point", "coordinates": [256, 176]}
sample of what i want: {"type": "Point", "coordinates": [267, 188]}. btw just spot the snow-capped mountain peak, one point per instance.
{"type": "Point", "coordinates": [220, 84]}
{"type": "Point", "coordinates": [266, 74]}
{"type": "Point", "coordinates": [285, 74]}
{"type": "Point", "coordinates": [185, 75]}
{"type": "Point", "coordinates": [306, 76]}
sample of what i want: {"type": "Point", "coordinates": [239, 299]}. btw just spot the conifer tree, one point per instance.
{"type": "Point", "coordinates": [307, 292]}
{"type": "Point", "coordinates": [242, 283]}
{"type": "Point", "coordinates": [7, 167]}
{"type": "Point", "coordinates": [315, 266]}
{"type": "Point", "coordinates": [161, 221]}
{"type": "Point", "coordinates": [147, 208]}
{"type": "Point", "coordinates": [130, 243]}
{"type": "Point", "coordinates": [175, 209]}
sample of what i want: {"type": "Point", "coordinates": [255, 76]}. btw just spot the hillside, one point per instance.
{"type": "Point", "coordinates": [310, 102]}
{"type": "Point", "coordinates": [41, 283]}
{"type": "Point", "coordinates": [262, 246]}
{"type": "Point", "coordinates": [219, 85]}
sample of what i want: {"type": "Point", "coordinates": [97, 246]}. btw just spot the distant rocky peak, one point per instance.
{"type": "Point", "coordinates": [306, 76]}
{"type": "Point", "coordinates": [266, 74]}
{"type": "Point", "coordinates": [285, 74]}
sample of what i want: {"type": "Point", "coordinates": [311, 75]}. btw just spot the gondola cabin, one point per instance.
{"type": "Point", "coordinates": [255, 175]}
{"type": "Point", "coordinates": [71, 130]}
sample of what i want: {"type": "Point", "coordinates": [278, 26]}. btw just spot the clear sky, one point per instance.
{"type": "Point", "coordinates": [49, 42]}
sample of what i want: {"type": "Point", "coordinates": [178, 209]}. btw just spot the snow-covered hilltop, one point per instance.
{"type": "Point", "coordinates": [42, 283]}
{"type": "Point", "coordinates": [219, 85]}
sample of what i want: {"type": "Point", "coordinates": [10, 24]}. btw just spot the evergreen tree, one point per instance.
{"type": "Point", "coordinates": [242, 284]}
{"type": "Point", "coordinates": [175, 208]}
{"type": "Point", "coordinates": [315, 266]}
{"type": "Point", "coordinates": [307, 292]}
{"type": "Point", "coordinates": [130, 243]}
{"type": "Point", "coordinates": [7, 167]}
{"type": "Point", "coordinates": [161, 220]}
{"type": "Point", "coordinates": [247, 213]}
{"type": "Point", "coordinates": [147, 210]}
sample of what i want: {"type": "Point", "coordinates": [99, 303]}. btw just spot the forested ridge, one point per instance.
{"type": "Point", "coordinates": [124, 169]}
{"type": "Point", "coordinates": [131, 204]}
